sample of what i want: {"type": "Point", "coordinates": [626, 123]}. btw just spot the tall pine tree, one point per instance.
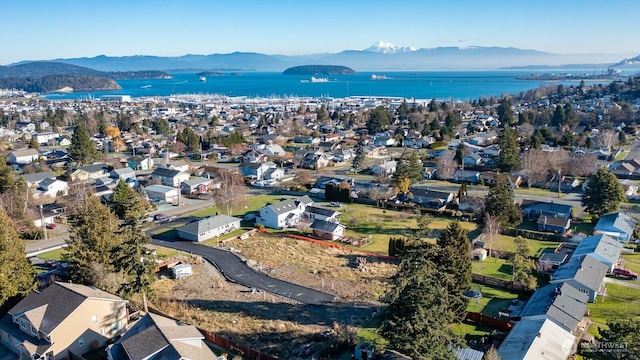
{"type": "Point", "coordinates": [509, 157]}
{"type": "Point", "coordinates": [82, 150]}
{"type": "Point", "coordinates": [16, 274]}
{"type": "Point", "coordinates": [453, 262]}
{"type": "Point", "coordinates": [500, 203]}
{"type": "Point", "coordinates": [603, 193]}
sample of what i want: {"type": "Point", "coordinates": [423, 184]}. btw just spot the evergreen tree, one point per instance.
{"type": "Point", "coordinates": [603, 193]}
{"type": "Point", "coordinates": [417, 320]}
{"type": "Point", "coordinates": [7, 175]}
{"type": "Point", "coordinates": [500, 203]}
{"type": "Point", "coordinates": [16, 274]}
{"type": "Point", "coordinates": [505, 113]}
{"type": "Point", "coordinates": [135, 261]}
{"type": "Point", "coordinates": [34, 144]}
{"type": "Point", "coordinates": [161, 126]}
{"type": "Point", "coordinates": [522, 265]}
{"type": "Point", "coordinates": [126, 203]}
{"type": "Point", "coordinates": [453, 263]}
{"type": "Point", "coordinates": [82, 150]}
{"type": "Point", "coordinates": [559, 117]}
{"type": "Point", "coordinates": [358, 160]}
{"type": "Point", "coordinates": [509, 158]}
{"type": "Point", "coordinates": [92, 240]}
{"type": "Point", "coordinates": [378, 120]}
{"type": "Point", "coordinates": [618, 331]}
{"type": "Point", "coordinates": [409, 167]}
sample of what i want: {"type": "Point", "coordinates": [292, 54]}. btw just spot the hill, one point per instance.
{"type": "Point", "coordinates": [43, 68]}
{"type": "Point", "coordinates": [56, 82]}
{"type": "Point", "coordinates": [319, 70]}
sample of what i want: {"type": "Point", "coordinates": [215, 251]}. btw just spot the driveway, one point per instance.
{"type": "Point", "coordinates": [235, 270]}
{"type": "Point", "coordinates": [626, 283]}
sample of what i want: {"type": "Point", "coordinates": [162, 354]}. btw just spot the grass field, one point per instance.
{"type": "Point", "coordinates": [254, 203]}
{"type": "Point", "coordinates": [632, 261]}
{"type": "Point", "coordinates": [53, 255]}
{"type": "Point", "coordinates": [621, 303]}
{"type": "Point", "coordinates": [494, 267]}
{"type": "Point", "coordinates": [493, 300]}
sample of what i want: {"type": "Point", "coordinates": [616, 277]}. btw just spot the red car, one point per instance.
{"type": "Point", "coordinates": [624, 273]}
{"type": "Point", "coordinates": [52, 226]}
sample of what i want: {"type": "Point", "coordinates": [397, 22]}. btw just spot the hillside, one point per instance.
{"type": "Point", "coordinates": [55, 82]}
{"type": "Point", "coordinates": [319, 70]}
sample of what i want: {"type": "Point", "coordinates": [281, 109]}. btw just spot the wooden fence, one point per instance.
{"type": "Point", "coordinates": [530, 234]}
{"type": "Point", "coordinates": [244, 351]}
{"type": "Point", "coordinates": [489, 320]}
{"type": "Point", "coordinates": [505, 284]}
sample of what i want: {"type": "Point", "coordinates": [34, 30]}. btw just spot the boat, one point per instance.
{"type": "Point", "coordinates": [203, 78]}
{"type": "Point", "coordinates": [378, 77]}
{"type": "Point", "coordinates": [145, 86]}
{"type": "Point", "coordinates": [315, 79]}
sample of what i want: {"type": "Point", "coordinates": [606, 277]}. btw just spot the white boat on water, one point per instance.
{"type": "Point", "coordinates": [378, 77]}
{"type": "Point", "coordinates": [315, 79]}
{"type": "Point", "coordinates": [203, 79]}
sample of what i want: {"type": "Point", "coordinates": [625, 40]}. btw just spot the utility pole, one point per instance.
{"type": "Point", "coordinates": [44, 226]}
{"type": "Point", "coordinates": [559, 183]}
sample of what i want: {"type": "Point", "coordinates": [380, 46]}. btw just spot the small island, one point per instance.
{"type": "Point", "coordinates": [319, 70]}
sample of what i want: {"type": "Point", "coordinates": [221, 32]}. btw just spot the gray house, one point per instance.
{"type": "Point", "coordinates": [602, 248]}
{"type": "Point", "coordinates": [209, 228]}
{"type": "Point", "coordinates": [617, 225]}
{"type": "Point", "coordinates": [537, 339]}
{"type": "Point", "coordinates": [431, 198]}
{"type": "Point", "coordinates": [561, 303]}
{"type": "Point", "coordinates": [585, 273]}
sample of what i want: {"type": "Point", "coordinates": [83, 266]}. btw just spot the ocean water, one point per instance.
{"type": "Point", "coordinates": [459, 85]}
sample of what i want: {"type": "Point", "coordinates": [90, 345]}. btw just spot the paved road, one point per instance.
{"type": "Point", "coordinates": [634, 152]}
{"type": "Point", "coordinates": [235, 270]}
{"type": "Point", "coordinates": [626, 283]}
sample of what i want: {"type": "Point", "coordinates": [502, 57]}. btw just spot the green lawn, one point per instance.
{"type": "Point", "coordinates": [621, 303]}
{"type": "Point", "coordinates": [472, 331]}
{"type": "Point", "coordinates": [538, 192]}
{"type": "Point", "coordinates": [632, 261]}
{"type": "Point", "coordinates": [53, 254]}
{"type": "Point", "coordinates": [494, 267]}
{"type": "Point", "coordinates": [493, 300]}
{"type": "Point", "coordinates": [506, 243]}
{"type": "Point", "coordinates": [254, 203]}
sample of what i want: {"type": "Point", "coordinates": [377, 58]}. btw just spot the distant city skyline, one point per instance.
{"type": "Point", "coordinates": [42, 30]}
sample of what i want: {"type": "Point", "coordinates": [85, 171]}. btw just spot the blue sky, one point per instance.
{"type": "Point", "coordinates": [39, 30]}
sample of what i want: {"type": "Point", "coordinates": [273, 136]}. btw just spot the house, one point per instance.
{"type": "Point", "coordinates": [533, 209]}
{"type": "Point", "coordinates": [284, 214]}
{"type": "Point", "coordinates": [342, 155]}
{"type": "Point", "coordinates": [25, 156]}
{"type": "Point", "coordinates": [630, 188]}
{"type": "Point", "coordinates": [53, 187]}
{"type": "Point", "coordinates": [179, 165]}
{"type": "Point", "coordinates": [88, 172]}
{"type": "Point", "coordinates": [196, 185]}
{"type": "Point", "coordinates": [253, 156]}
{"type": "Point", "coordinates": [431, 198]}
{"type": "Point", "coordinates": [387, 168]}
{"type": "Point", "coordinates": [468, 176]}
{"type": "Point", "coordinates": [273, 173]}
{"type": "Point", "coordinates": [162, 193]}
{"type": "Point", "coordinates": [394, 355]}
{"type": "Point", "coordinates": [122, 174]}
{"type": "Point", "coordinates": [553, 224]}
{"type": "Point", "coordinates": [169, 177]}
{"type": "Point", "coordinates": [314, 161]}
{"type": "Point", "coordinates": [318, 213]}
{"type": "Point", "coordinates": [561, 303]}
{"type": "Point", "coordinates": [208, 228]}
{"type": "Point", "coordinates": [140, 163]}
{"type": "Point", "coordinates": [567, 183]}
{"type": "Point", "coordinates": [34, 180]}
{"type": "Point", "coordinates": [256, 170]}
{"type": "Point", "coordinates": [601, 247]}
{"type": "Point", "coordinates": [617, 225]}
{"type": "Point", "coordinates": [472, 160]}
{"type": "Point", "coordinates": [50, 212]}
{"type": "Point", "coordinates": [537, 339]}
{"type": "Point", "coordinates": [158, 337]}
{"type": "Point", "coordinates": [622, 169]}
{"type": "Point", "coordinates": [327, 230]}
{"type": "Point", "coordinates": [585, 273]}
{"type": "Point", "coordinates": [61, 320]}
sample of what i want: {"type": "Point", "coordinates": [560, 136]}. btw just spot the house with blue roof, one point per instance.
{"type": "Point", "coordinates": [533, 209]}
{"type": "Point", "coordinates": [617, 225]}
{"type": "Point", "coordinates": [584, 273]}
{"type": "Point", "coordinates": [601, 247]}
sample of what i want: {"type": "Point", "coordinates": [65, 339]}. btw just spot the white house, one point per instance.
{"type": "Point", "coordinates": [284, 214]}
{"type": "Point", "coordinates": [123, 173]}
{"type": "Point", "coordinates": [53, 187]}
{"type": "Point", "coordinates": [387, 168]}
{"type": "Point", "coordinates": [169, 177]}
{"type": "Point", "coordinates": [25, 156]}
{"type": "Point", "coordinates": [318, 213]}
{"type": "Point", "coordinates": [162, 193]}
{"type": "Point", "coordinates": [327, 230]}
{"type": "Point", "coordinates": [209, 228]}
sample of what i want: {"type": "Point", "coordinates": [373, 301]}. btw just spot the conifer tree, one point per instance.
{"type": "Point", "coordinates": [603, 193]}
{"type": "Point", "coordinates": [500, 203]}
{"type": "Point", "coordinates": [126, 204]}
{"type": "Point", "coordinates": [16, 274]}
{"type": "Point", "coordinates": [453, 262]}
{"type": "Point", "coordinates": [7, 175]}
{"type": "Point", "coordinates": [358, 160]}
{"type": "Point", "coordinates": [509, 157]}
{"type": "Point", "coordinates": [82, 149]}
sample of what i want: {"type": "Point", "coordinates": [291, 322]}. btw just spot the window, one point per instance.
{"type": "Point", "coordinates": [23, 324]}
{"type": "Point", "coordinates": [33, 331]}
{"type": "Point", "coordinates": [102, 331]}
{"type": "Point", "coordinates": [80, 341]}
{"type": "Point", "coordinates": [94, 319]}
{"type": "Point", "coordinates": [116, 326]}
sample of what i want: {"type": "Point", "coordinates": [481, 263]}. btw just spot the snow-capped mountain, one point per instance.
{"type": "Point", "coordinates": [388, 48]}
{"type": "Point", "coordinates": [629, 61]}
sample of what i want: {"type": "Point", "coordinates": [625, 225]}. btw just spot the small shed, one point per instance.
{"type": "Point", "coordinates": [479, 254]}
{"type": "Point", "coordinates": [365, 351]}
{"type": "Point", "coordinates": [181, 271]}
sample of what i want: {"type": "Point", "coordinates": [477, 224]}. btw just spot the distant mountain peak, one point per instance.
{"type": "Point", "coordinates": [628, 61]}
{"type": "Point", "coordinates": [387, 48]}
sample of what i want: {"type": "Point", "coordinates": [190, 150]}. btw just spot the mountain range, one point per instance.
{"type": "Point", "coordinates": [381, 56]}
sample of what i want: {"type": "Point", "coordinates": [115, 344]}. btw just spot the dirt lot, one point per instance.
{"type": "Point", "coordinates": [275, 325]}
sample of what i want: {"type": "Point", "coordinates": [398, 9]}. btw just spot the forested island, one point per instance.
{"type": "Point", "coordinates": [57, 82]}
{"type": "Point", "coordinates": [319, 70]}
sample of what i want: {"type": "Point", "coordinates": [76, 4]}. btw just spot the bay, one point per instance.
{"type": "Point", "coordinates": [457, 85]}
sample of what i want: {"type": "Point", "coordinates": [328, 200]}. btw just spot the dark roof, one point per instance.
{"type": "Point", "coordinates": [50, 307]}
{"type": "Point", "coordinates": [207, 224]}
{"type": "Point", "coordinates": [394, 355]}
{"type": "Point", "coordinates": [584, 270]}
{"type": "Point", "coordinates": [37, 177]}
{"type": "Point", "coordinates": [166, 173]}
{"type": "Point", "coordinates": [553, 221]}
{"type": "Point", "coordinates": [325, 226]}
{"type": "Point", "coordinates": [93, 168]}
{"type": "Point", "coordinates": [162, 337]}
{"type": "Point", "coordinates": [545, 206]}
{"type": "Point", "coordinates": [429, 194]}
{"type": "Point", "coordinates": [7, 325]}
{"type": "Point", "coordinates": [560, 302]}
{"type": "Point", "coordinates": [320, 211]}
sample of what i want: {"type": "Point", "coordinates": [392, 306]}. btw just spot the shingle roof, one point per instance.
{"type": "Point", "coordinates": [55, 303]}
{"type": "Point", "coordinates": [167, 173]}
{"type": "Point", "coordinates": [601, 245]}
{"type": "Point", "coordinates": [536, 339]}
{"type": "Point", "coordinates": [37, 177]}
{"type": "Point", "coordinates": [560, 302]}
{"type": "Point", "coordinates": [616, 221]}
{"type": "Point", "coordinates": [166, 338]}
{"type": "Point", "coordinates": [204, 225]}
{"type": "Point", "coordinates": [325, 226]}
{"type": "Point", "coordinates": [583, 269]}
{"type": "Point", "coordinates": [320, 211]}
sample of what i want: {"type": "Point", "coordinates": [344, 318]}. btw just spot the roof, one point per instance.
{"type": "Point", "coordinates": [37, 177]}
{"type": "Point", "coordinates": [536, 339]}
{"type": "Point", "coordinates": [561, 302]}
{"type": "Point", "coordinates": [603, 246]}
{"type": "Point", "coordinates": [553, 221]}
{"type": "Point", "coordinates": [164, 338]}
{"type": "Point", "coordinates": [93, 168]}
{"type": "Point", "coordinates": [321, 211]}
{"type": "Point", "coordinates": [50, 307]}
{"type": "Point", "coordinates": [124, 170]}
{"type": "Point", "coordinates": [584, 270]}
{"type": "Point", "coordinates": [25, 152]}
{"type": "Point", "coordinates": [325, 226]}
{"type": "Point", "coordinates": [428, 193]}
{"type": "Point", "coordinates": [616, 222]}
{"type": "Point", "coordinates": [32, 343]}
{"type": "Point", "coordinates": [394, 355]}
{"type": "Point", "coordinates": [167, 173]}
{"type": "Point", "coordinates": [286, 206]}
{"type": "Point", "coordinates": [545, 206]}
{"type": "Point", "coordinates": [468, 354]}
{"type": "Point", "coordinates": [207, 224]}
{"type": "Point", "coordinates": [160, 188]}
{"type": "Point", "coordinates": [196, 181]}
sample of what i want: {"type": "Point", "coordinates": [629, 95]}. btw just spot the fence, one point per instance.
{"type": "Point", "coordinates": [245, 352]}
{"type": "Point", "coordinates": [490, 321]}
{"type": "Point", "coordinates": [505, 284]}
{"type": "Point", "coordinates": [530, 234]}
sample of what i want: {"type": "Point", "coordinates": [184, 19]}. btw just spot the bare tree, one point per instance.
{"type": "Point", "coordinates": [535, 165]}
{"type": "Point", "coordinates": [491, 229]}
{"type": "Point", "coordinates": [607, 139]}
{"type": "Point", "coordinates": [582, 165]}
{"type": "Point", "coordinates": [303, 225]}
{"type": "Point", "coordinates": [232, 192]}
{"type": "Point", "coordinates": [446, 165]}
{"type": "Point", "coordinates": [381, 194]}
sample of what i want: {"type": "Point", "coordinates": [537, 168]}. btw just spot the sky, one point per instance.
{"type": "Point", "coordinates": [44, 30]}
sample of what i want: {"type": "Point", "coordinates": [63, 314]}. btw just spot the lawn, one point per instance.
{"type": "Point", "coordinates": [254, 203]}
{"type": "Point", "coordinates": [493, 300]}
{"type": "Point", "coordinates": [471, 331]}
{"type": "Point", "coordinates": [52, 255]}
{"type": "Point", "coordinates": [621, 303]}
{"type": "Point", "coordinates": [632, 261]}
{"type": "Point", "coordinates": [538, 192]}
{"type": "Point", "coordinates": [506, 243]}
{"type": "Point", "coordinates": [494, 267]}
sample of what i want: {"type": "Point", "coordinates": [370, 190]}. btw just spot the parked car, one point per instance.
{"type": "Point", "coordinates": [624, 273]}
{"type": "Point", "coordinates": [249, 217]}
{"type": "Point", "coordinates": [52, 226]}
{"type": "Point", "coordinates": [160, 218]}
{"type": "Point", "coordinates": [51, 263]}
